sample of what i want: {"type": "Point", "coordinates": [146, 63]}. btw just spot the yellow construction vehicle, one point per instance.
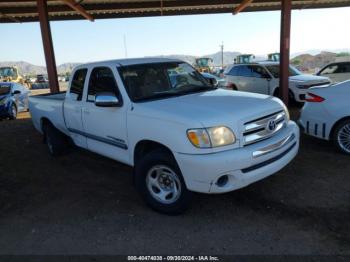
{"type": "Point", "coordinates": [244, 59]}
{"type": "Point", "coordinates": [274, 57]}
{"type": "Point", "coordinates": [203, 64]}
{"type": "Point", "coordinates": [10, 74]}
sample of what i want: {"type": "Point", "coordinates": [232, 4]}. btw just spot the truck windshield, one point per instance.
{"type": "Point", "coordinates": [4, 89]}
{"type": "Point", "coordinates": [275, 70]}
{"type": "Point", "coordinates": [7, 72]}
{"type": "Point", "coordinates": [161, 80]}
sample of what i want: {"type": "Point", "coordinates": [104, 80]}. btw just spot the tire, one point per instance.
{"type": "Point", "coordinates": [159, 180]}
{"type": "Point", "coordinates": [13, 112]}
{"type": "Point", "coordinates": [341, 136]}
{"type": "Point", "coordinates": [57, 142]}
{"type": "Point", "coordinates": [234, 87]}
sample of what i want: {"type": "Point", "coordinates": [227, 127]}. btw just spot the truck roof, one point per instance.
{"type": "Point", "coordinates": [132, 61]}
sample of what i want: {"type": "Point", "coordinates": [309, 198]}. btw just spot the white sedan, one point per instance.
{"type": "Point", "coordinates": [326, 114]}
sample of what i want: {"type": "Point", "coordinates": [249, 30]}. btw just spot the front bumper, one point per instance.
{"type": "Point", "coordinates": [242, 166]}
{"type": "Point", "coordinates": [299, 94]}
{"type": "Point", "coordinates": [4, 111]}
{"type": "Point", "coordinates": [313, 121]}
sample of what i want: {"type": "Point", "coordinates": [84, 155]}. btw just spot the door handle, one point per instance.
{"type": "Point", "coordinates": [86, 111]}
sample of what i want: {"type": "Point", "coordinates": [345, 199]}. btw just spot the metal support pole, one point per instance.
{"type": "Point", "coordinates": [286, 9]}
{"type": "Point", "coordinates": [48, 46]}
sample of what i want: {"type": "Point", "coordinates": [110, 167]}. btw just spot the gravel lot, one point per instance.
{"type": "Point", "coordinates": [82, 203]}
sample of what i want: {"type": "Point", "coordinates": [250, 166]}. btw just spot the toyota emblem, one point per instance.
{"type": "Point", "coordinates": [271, 125]}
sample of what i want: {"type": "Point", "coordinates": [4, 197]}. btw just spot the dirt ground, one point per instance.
{"type": "Point", "coordinates": [82, 203]}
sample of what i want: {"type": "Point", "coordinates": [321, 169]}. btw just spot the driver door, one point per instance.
{"type": "Point", "coordinates": [105, 127]}
{"type": "Point", "coordinates": [260, 81]}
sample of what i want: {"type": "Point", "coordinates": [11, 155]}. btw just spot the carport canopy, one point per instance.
{"type": "Point", "coordinates": [20, 11]}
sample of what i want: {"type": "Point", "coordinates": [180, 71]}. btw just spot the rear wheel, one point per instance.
{"type": "Point", "coordinates": [57, 143]}
{"type": "Point", "coordinates": [233, 87]}
{"type": "Point", "coordinates": [341, 136]}
{"type": "Point", "coordinates": [13, 112]}
{"type": "Point", "coordinates": [160, 182]}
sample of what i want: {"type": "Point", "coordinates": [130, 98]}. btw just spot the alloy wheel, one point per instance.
{"type": "Point", "coordinates": [344, 138]}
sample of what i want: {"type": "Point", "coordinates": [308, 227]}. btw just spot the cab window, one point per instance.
{"type": "Point", "coordinates": [101, 80]}
{"type": "Point", "coordinates": [77, 85]}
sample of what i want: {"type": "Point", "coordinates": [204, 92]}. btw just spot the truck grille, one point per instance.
{"type": "Point", "coordinates": [263, 128]}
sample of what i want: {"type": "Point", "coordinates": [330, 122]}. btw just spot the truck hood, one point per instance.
{"type": "Point", "coordinates": [3, 96]}
{"type": "Point", "coordinates": [309, 79]}
{"type": "Point", "coordinates": [218, 107]}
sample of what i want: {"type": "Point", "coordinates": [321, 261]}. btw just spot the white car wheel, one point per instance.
{"type": "Point", "coordinates": [341, 136]}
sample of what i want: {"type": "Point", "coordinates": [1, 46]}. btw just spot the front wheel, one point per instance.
{"type": "Point", "coordinates": [160, 182]}
{"type": "Point", "coordinates": [341, 136]}
{"type": "Point", "coordinates": [13, 112]}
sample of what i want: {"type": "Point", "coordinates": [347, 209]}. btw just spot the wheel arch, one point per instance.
{"type": "Point", "coordinates": [143, 147]}
{"type": "Point", "coordinates": [44, 121]}
{"type": "Point", "coordinates": [331, 134]}
{"type": "Point", "coordinates": [274, 89]}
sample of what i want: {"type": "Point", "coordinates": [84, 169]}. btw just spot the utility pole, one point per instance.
{"type": "Point", "coordinates": [222, 55]}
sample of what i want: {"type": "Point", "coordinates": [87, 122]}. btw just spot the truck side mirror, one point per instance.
{"type": "Point", "coordinates": [106, 99]}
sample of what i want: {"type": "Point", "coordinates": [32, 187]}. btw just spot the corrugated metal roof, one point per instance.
{"type": "Point", "coordinates": [26, 10]}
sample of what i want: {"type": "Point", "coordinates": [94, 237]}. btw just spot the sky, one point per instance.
{"type": "Point", "coordinates": [257, 33]}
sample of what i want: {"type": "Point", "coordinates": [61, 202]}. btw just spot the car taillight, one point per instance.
{"type": "Point", "coordinates": [314, 98]}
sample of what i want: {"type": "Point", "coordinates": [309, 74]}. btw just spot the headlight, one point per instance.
{"type": "Point", "coordinates": [303, 86]}
{"type": "Point", "coordinates": [211, 137]}
{"type": "Point", "coordinates": [286, 111]}
{"type": "Point", "coordinates": [3, 101]}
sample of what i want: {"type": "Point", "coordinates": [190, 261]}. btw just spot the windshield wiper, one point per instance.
{"type": "Point", "coordinates": [168, 94]}
{"type": "Point", "coordinates": [196, 89]}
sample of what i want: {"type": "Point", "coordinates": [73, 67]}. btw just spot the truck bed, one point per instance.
{"type": "Point", "coordinates": [56, 96]}
{"type": "Point", "coordinates": [48, 107]}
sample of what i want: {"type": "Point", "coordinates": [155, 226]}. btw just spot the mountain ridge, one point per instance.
{"type": "Point", "coordinates": [307, 61]}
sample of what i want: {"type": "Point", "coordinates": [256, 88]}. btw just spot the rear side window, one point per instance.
{"type": "Point", "coordinates": [77, 85]}
{"type": "Point", "coordinates": [101, 80]}
{"type": "Point", "coordinates": [245, 71]}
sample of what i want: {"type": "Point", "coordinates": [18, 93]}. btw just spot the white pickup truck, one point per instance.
{"type": "Point", "coordinates": [179, 132]}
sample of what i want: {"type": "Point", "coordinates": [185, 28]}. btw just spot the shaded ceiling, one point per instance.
{"type": "Point", "coordinates": [12, 11]}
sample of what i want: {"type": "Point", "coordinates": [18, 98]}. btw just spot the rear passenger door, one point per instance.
{"type": "Point", "coordinates": [105, 127]}
{"type": "Point", "coordinates": [73, 107]}
{"type": "Point", "coordinates": [245, 79]}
